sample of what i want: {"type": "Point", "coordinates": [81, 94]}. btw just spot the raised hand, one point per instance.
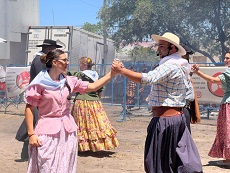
{"type": "Point", "coordinates": [117, 66]}
{"type": "Point", "coordinates": [195, 68]}
{"type": "Point", "coordinates": [113, 73]}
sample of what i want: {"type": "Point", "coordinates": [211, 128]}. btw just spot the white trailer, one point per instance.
{"type": "Point", "coordinates": [76, 43]}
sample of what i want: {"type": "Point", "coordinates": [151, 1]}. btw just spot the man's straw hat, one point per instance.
{"type": "Point", "coordinates": [171, 38]}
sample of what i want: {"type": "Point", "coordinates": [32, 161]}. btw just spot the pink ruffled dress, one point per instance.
{"type": "Point", "coordinates": [55, 128]}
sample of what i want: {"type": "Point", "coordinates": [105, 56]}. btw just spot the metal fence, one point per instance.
{"type": "Point", "coordinates": [120, 91]}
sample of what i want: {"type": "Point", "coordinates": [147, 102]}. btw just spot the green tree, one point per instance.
{"type": "Point", "coordinates": [94, 28]}
{"type": "Point", "coordinates": [202, 25]}
{"type": "Point", "coordinates": [139, 53]}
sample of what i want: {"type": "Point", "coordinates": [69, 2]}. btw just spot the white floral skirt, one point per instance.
{"type": "Point", "coordinates": [58, 154]}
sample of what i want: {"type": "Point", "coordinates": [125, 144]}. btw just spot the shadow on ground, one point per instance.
{"type": "Point", "coordinates": [98, 154]}
{"type": "Point", "coordinates": [214, 163]}
{"type": "Point", "coordinates": [21, 160]}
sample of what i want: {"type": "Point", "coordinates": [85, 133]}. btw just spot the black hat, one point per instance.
{"type": "Point", "coordinates": [187, 49]}
{"type": "Point", "coordinates": [48, 42]}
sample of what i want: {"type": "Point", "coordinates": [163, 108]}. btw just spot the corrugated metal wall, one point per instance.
{"type": "Point", "coordinates": [85, 43]}
{"type": "Point", "coordinates": [78, 43]}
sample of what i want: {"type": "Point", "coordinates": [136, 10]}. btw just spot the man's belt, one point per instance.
{"type": "Point", "coordinates": [165, 111]}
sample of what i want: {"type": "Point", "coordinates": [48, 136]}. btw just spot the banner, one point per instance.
{"type": "Point", "coordinates": [2, 83]}
{"type": "Point", "coordinates": [206, 92]}
{"type": "Point", "coordinates": [17, 78]}
{"type": "Point", "coordinates": [37, 36]}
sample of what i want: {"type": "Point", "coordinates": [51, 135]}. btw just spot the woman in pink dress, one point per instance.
{"type": "Point", "coordinates": [53, 141]}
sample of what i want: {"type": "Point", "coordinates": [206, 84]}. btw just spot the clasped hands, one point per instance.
{"type": "Point", "coordinates": [117, 66]}
{"type": "Point", "coordinates": [195, 68]}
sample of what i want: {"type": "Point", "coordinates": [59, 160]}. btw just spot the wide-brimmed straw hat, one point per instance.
{"type": "Point", "coordinates": [48, 42]}
{"type": "Point", "coordinates": [171, 38]}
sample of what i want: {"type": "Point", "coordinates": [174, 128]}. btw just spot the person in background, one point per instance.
{"type": "Point", "coordinates": [167, 133]}
{"type": "Point", "coordinates": [36, 67]}
{"type": "Point", "coordinates": [53, 141]}
{"type": "Point", "coordinates": [221, 145]}
{"type": "Point", "coordinates": [142, 99]}
{"type": "Point", "coordinates": [95, 132]}
{"type": "Point", "coordinates": [130, 93]}
{"type": "Point", "coordinates": [191, 109]}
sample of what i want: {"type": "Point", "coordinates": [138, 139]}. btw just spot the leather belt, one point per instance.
{"type": "Point", "coordinates": [165, 111]}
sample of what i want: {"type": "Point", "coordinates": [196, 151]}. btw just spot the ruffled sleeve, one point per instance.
{"type": "Point", "coordinates": [33, 95]}
{"type": "Point", "coordinates": [222, 78]}
{"type": "Point", "coordinates": [77, 85]}
{"type": "Point", "coordinates": [225, 76]}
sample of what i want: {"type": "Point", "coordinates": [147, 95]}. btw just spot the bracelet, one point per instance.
{"type": "Point", "coordinates": [31, 135]}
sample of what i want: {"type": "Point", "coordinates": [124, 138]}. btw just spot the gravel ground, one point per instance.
{"type": "Point", "coordinates": [126, 158]}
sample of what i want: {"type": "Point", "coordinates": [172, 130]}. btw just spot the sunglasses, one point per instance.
{"type": "Point", "coordinates": [64, 60]}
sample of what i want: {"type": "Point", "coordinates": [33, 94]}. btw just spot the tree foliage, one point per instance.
{"type": "Point", "coordinates": [138, 53]}
{"type": "Point", "coordinates": [203, 25]}
{"type": "Point", "coordinates": [94, 28]}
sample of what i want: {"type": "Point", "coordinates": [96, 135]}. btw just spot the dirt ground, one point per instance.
{"type": "Point", "coordinates": [126, 158]}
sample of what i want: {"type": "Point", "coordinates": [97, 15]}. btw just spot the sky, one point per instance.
{"type": "Point", "coordinates": [69, 12]}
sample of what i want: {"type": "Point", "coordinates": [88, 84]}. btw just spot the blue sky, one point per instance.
{"type": "Point", "coordinates": [69, 12]}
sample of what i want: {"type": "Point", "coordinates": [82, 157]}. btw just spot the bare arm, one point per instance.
{"type": "Point", "coordinates": [33, 138]}
{"type": "Point", "coordinates": [29, 118]}
{"type": "Point", "coordinates": [206, 77]}
{"type": "Point", "coordinates": [101, 82]}
{"type": "Point", "coordinates": [132, 75]}
{"type": "Point", "coordinates": [119, 68]}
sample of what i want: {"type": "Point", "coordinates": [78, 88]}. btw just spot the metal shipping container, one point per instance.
{"type": "Point", "coordinates": [76, 43]}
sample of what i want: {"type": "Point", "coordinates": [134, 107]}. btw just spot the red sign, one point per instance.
{"type": "Point", "coordinates": [215, 88]}
{"type": "Point", "coordinates": [23, 79]}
